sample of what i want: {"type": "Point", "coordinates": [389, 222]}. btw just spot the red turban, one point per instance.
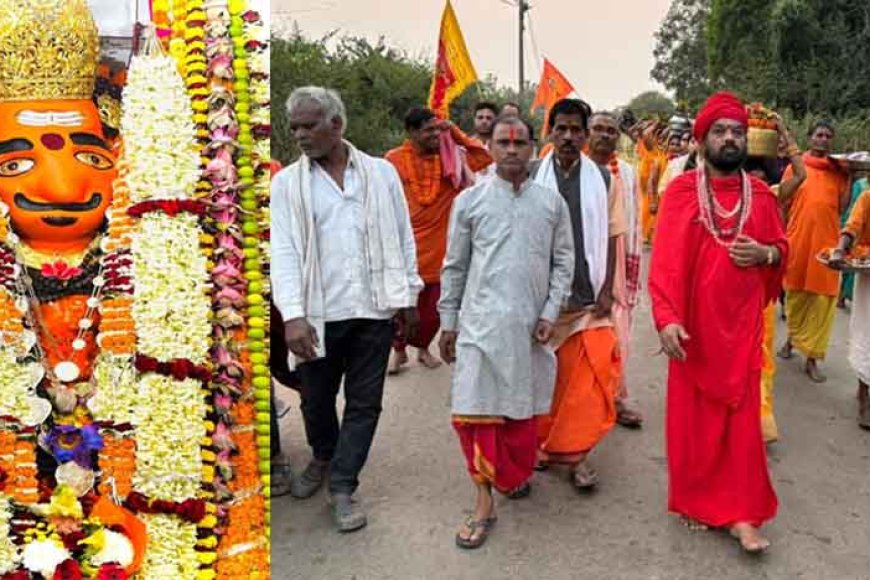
{"type": "Point", "coordinates": [723, 105]}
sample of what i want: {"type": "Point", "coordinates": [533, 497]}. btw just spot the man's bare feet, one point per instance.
{"type": "Point", "coordinates": [398, 360]}
{"type": "Point", "coordinates": [786, 351]}
{"type": "Point", "coordinates": [426, 359]}
{"type": "Point", "coordinates": [693, 525]}
{"type": "Point", "coordinates": [750, 538]}
{"type": "Point", "coordinates": [812, 370]}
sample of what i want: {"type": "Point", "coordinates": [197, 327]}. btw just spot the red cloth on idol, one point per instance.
{"type": "Point", "coordinates": [501, 453]}
{"type": "Point", "coordinates": [430, 321]}
{"type": "Point", "coordinates": [716, 456]}
{"type": "Point", "coordinates": [722, 105]}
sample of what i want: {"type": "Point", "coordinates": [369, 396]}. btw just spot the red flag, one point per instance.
{"type": "Point", "coordinates": [552, 87]}
{"type": "Point", "coordinates": [454, 71]}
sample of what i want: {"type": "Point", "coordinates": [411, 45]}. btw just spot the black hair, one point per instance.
{"type": "Point", "coordinates": [486, 105]}
{"type": "Point", "coordinates": [570, 107]}
{"type": "Point", "coordinates": [511, 119]}
{"type": "Point", "coordinates": [416, 117]}
{"type": "Point", "coordinates": [822, 123]}
{"type": "Point", "coordinates": [765, 165]}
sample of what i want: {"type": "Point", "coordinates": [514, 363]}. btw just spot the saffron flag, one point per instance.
{"type": "Point", "coordinates": [454, 71]}
{"type": "Point", "coordinates": [552, 87]}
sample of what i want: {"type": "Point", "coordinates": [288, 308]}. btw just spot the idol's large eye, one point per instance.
{"type": "Point", "coordinates": [15, 167]}
{"type": "Point", "coordinates": [95, 160]}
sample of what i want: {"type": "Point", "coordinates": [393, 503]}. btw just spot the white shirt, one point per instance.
{"type": "Point", "coordinates": [339, 223]}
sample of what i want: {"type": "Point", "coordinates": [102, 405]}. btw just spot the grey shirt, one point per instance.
{"type": "Point", "coordinates": [582, 294]}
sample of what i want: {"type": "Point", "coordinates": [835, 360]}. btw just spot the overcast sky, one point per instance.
{"type": "Point", "coordinates": [604, 47]}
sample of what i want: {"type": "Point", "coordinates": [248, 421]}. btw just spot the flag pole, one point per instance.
{"type": "Point", "coordinates": [523, 8]}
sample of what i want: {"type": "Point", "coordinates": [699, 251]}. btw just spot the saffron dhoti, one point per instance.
{"type": "Point", "coordinates": [498, 451]}
{"type": "Point", "coordinates": [584, 402]}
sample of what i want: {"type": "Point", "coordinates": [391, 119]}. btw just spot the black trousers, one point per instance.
{"type": "Point", "coordinates": [358, 351]}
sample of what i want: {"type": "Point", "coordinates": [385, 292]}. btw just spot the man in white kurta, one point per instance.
{"type": "Point", "coordinates": [508, 268]}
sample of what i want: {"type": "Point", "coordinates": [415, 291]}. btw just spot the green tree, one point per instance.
{"type": "Point", "coordinates": [681, 52]}
{"type": "Point", "coordinates": [378, 85]}
{"type": "Point", "coordinates": [652, 104]}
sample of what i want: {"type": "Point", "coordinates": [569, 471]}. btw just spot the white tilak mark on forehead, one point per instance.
{"type": "Point", "coordinates": [49, 118]}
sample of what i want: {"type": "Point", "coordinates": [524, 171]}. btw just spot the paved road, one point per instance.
{"type": "Point", "coordinates": [416, 491]}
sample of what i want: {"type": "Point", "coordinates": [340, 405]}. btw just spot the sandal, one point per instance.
{"type": "Point", "coordinates": [485, 526]}
{"type": "Point", "coordinates": [584, 477]}
{"type": "Point", "coordinates": [521, 491]}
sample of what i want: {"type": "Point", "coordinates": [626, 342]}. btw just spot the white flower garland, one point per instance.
{"type": "Point", "coordinates": [170, 429]}
{"type": "Point", "coordinates": [18, 381]}
{"type": "Point", "coordinates": [171, 306]}
{"type": "Point", "coordinates": [171, 552]}
{"type": "Point", "coordinates": [118, 398]}
{"type": "Point", "coordinates": [159, 137]}
{"type": "Point", "coordinates": [9, 555]}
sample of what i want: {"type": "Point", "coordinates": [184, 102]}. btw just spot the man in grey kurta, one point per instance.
{"type": "Point", "coordinates": [508, 269]}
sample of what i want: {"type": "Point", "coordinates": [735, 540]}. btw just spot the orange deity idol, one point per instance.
{"type": "Point", "coordinates": [56, 174]}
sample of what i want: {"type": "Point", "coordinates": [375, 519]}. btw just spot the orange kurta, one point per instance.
{"type": "Point", "coordinates": [650, 159]}
{"type": "Point", "coordinates": [430, 197]}
{"type": "Point", "coordinates": [814, 225]}
{"type": "Point", "coordinates": [858, 224]}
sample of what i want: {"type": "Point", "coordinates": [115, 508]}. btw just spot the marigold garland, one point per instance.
{"type": "Point", "coordinates": [117, 465]}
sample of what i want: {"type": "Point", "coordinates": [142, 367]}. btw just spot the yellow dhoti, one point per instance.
{"type": "Point", "coordinates": [768, 421]}
{"type": "Point", "coordinates": [810, 321]}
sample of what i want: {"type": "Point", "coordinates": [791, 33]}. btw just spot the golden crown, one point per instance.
{"type": "Point", "coordinates": [49, 49]}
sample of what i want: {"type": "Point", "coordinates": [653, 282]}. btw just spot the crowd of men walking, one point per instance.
{"type": "Point", "coordinates": [530, 267]}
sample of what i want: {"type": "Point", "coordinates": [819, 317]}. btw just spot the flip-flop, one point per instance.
{"type": "Point", "coordinates": [485, 526]}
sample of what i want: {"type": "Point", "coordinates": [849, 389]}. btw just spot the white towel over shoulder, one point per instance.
{"type": "Point", "coordinates": [593, 204]}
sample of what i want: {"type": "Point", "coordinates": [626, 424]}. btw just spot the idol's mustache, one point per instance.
{"type": "Point", "coordinates": [22, 202]}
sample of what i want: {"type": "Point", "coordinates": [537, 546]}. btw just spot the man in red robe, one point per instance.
{"type": "Point", "coordinates": [717, 262]}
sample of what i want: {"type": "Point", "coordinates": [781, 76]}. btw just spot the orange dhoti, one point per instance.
{"type": "Point", "coordinates": [584, 402]}
{"type": "Point", "coordinates": [498, 450]}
